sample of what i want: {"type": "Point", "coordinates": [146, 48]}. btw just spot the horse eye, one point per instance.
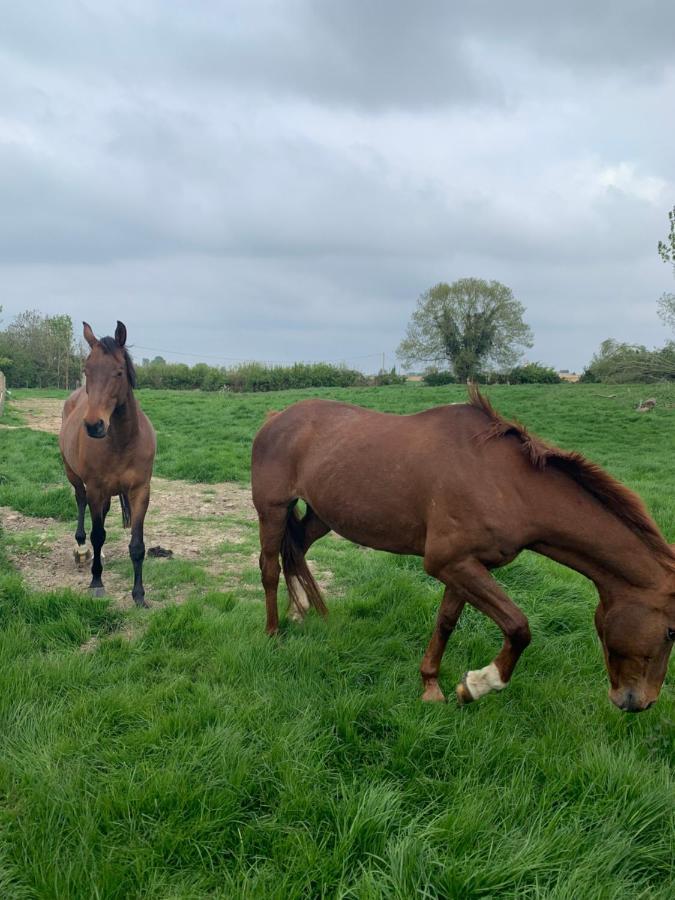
{"type": "Point", "coordinates": [119, 373]}
{"type": "Point", "coordinates": [671, 634]}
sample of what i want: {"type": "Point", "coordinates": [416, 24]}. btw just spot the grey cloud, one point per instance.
{"type": "Point", "coordinates": [362, 55]}
{"type": "Point", "coordinates": [282, 180]}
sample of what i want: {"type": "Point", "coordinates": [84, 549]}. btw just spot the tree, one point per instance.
{"type": "Point", "coordinates": [666, 304]}
{"type": "Point", "coordinates": [467, 325]}
{"type": "Point", "coordinates": [42, 350]}
{"type": "Point", "coordinates": [667, 247]}
{"type": "Point", "coordinates": [620, 362]}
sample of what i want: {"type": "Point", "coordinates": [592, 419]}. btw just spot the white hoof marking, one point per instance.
{"type": "Point", "coordinates": [481, 681]}
{"type": "Point", "coordinates": [297, 611]}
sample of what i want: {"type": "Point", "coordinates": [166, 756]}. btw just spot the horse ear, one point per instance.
{"type": "Point", "coordinates": [89, 335]}
{"type": "Point", "coordinates": [121, 333]}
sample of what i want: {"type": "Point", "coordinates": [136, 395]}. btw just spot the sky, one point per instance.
{"type": "Point", "coordinates": [280, 181]}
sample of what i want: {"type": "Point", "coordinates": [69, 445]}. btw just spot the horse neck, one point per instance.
{"type": "Point", "coordinates": [578, 531]}
{"type": "Point", "coordinates": [124, 421]}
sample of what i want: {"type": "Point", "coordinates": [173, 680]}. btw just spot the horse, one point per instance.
{"type": "Point", "coordinates": [108, 448]}
{"type": "Point", "coordinates": [467, 491]}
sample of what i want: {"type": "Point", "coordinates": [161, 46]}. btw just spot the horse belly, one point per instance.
{"type": "Point", "coordinates": [379, 526]}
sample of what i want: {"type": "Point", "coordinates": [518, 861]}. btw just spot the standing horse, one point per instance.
{"type": "Point", "coordinates": [466, 490]}
{"type": "Point", "coordinates": [108, 447]}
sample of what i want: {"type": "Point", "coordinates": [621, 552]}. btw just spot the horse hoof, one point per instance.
{"type": "Point", "coordinates": [81, 555]}
{"type": "Point", "coordinates": [463, 693]}
{"type": "Point", "coordinates": [433, 694]}
{"type": "Point", "coordinates": [142, 603]}
{"type": "Point", "coordinates": [98, 591]}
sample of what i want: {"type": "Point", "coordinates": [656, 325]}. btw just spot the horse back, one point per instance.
{"type": "Point", "coordinates": [385, 480]}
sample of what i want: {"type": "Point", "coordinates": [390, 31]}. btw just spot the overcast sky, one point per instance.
{"type": "Point", "coordinates": [281, 180]}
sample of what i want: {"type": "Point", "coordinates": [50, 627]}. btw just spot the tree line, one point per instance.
{"type": "Point", "coordinates": [40, 351]}
{"type": "Point", "coordinates": [471, 329]}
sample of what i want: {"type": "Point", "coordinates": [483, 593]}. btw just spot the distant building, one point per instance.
{"type": "Point", "coordinates": [566, 375]}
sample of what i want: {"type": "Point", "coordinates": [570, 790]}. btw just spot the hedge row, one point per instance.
{"type": "Point", "coordinates": [255, 377]}
{"type": "Point", "coordinates": [532, 373]}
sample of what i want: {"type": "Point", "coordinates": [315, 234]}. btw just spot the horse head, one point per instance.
{"type": "Point", "coordinates": [637, 632]}
{"type": "Point", "coordinates": [109, 375]}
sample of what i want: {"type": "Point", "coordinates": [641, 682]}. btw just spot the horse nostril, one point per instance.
{"type": "Point", "coordinates": [97, 430]}
{"type": "Point", "coordinates": [631, 703]}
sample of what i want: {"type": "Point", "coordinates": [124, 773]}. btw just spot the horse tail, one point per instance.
{"type": "Point", "coordinates": [126, 510]}
{"type": "Point", "coordinates": [302, 587]}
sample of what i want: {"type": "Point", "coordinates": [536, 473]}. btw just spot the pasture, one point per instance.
{"type": "Point", "coordinates": [178, 752]}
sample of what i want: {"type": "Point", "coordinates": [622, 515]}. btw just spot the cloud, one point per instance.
{"type": "Point", "coordinates": [282, 180]}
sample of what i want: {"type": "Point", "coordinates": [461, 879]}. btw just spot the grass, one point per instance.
{"type": "Point", "coordinates": [201, 759]}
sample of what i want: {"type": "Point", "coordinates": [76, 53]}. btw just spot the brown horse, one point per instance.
{"type": "Point", "coordinates": [466, 490]}
{"type": "Point", "coordinates": [108, 447]}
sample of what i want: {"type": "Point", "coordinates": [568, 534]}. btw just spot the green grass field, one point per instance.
{"type": "Point", "coordinates": [187, 755]}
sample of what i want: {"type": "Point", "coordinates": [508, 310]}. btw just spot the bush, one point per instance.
{"type": "Point", "coordinates": [251, 377]}
{"type": "Point", "coordinates": [533, 373]}
{"type": "Point", "coordinates": [384, 378]}
{"type": "Point", "coordinates": [435, 378]}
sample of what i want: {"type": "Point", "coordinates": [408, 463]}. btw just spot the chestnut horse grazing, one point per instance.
{"type": "Point", "coordinates": [108, 447]}
{"type": "Point", "coordinates": [466, 490]}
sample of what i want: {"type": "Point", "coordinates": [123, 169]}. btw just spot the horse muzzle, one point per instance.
{"type": "Point", "coordinates": [98, 430]}
{"type": "Point", "coordinates": [630, 700]}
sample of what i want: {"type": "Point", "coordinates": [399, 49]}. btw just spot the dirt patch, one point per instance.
{"type": "Point", "coordinates": [42, 549]}
{"type": "Point", "coordinates": [205, 524]}
{"type": "Point", "coordinates": [191, 520]}
{"type": "Point", "coordinates": [183, 499]}
{"type": "Point", "coordinates": [40, 413]}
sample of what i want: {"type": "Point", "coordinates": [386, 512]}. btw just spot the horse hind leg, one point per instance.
{"type": "Point", "coordinates": [272, 525]}
{"type": "Point", "coordinates": [310, 528]}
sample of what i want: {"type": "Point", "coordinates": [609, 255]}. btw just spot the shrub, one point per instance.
{"type": "Point", "coordinates": [533, 373]}
{"type": "Point", "coordinates": [383, 378]}
{"type": "Point", "coordinates": [251, 377]}
{"type": "Point", "coordinates": [435, 378]}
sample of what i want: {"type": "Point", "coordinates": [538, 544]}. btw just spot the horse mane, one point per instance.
{"type": "Point", "coordinates": [613, 495]}
{"type": "Point", "coordinates": [110, 345]}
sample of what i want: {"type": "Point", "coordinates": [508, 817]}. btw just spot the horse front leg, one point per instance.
{"type": "Point", "coordinates": [448, 615]}
{"type": "Point", "coordinates": [98, 508]}
{"type": "Point", "coordinates": [81, 552]}
{"type": "Point", "coordinates": [139, 498]}
{"type": "Point", "coordinates": [475, 584]}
